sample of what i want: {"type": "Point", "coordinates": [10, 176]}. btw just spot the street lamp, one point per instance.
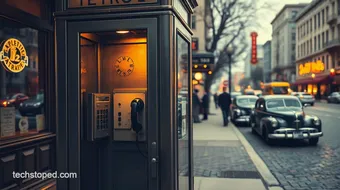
{"type": "Point", "coordinates": [230, 52]}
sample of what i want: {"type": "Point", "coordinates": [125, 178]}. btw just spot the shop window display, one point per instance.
{"type": "Point", "coordinates": [22, 96]}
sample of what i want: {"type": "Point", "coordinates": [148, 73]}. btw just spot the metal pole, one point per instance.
{"type": "Point", "coordinates": [229, 73]}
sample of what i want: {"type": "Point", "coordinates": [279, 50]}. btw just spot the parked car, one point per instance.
{"type": "Point", "coordinates": [283, 117]}
{"type": "Point", "coordinates": [305, 98]}
{"type": "Point", "coordinates": [334, 98]}
{"type": "Point", "coordinates": [241, 107]}
{"type": "Point", "coordinates": [33, 106]}
{"type": "Point", "coordinates": [14, 99]}
{"type": "Point", "coordinates": [234, 94]}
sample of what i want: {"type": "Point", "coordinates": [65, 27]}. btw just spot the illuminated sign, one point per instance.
{"type": "Point", "coordinates": [311, 67]}
{"type": "Point", "coordinates": [253, 59]}
{"type": "Point", "coordinates": [194, 44]}
{"type": "Point", "coordinates": [97, 3]}
{"type": "Point", "coordinates": [13, 56]}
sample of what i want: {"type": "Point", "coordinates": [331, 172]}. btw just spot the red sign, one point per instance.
{"type": "Point", "coordinates": [253, 59]}
{"type": "Point", "coordinates": [194, 44]}
{"type": "Point", "coordinates": [225, 83]}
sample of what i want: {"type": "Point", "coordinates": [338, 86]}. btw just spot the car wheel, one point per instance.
{"type": "Point", "coordinates": [313, 141]}
{"type": "Point", "coordinates": [253, 125]}
{"type": "Point", "coordinates": [266, 137]}
{"type": "Point", "coordinates": [312, 104]}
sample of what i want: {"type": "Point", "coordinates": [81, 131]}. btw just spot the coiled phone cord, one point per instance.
{"type": "Point", "coordinates": [145, 156]}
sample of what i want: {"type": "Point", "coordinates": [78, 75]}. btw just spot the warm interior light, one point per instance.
{"type": "Point", "coordinates": [198, 76]}
{"type": "Point", "coordinates": [210, 72]}
{"type": "Point", "coordinates": [332, 70]}
{"type": "Point", "coordinates": [4, 103]}
{"type": "Point", "coordinates": [195, 66]}
{"type": "Point", "coordinates": [313, 75]}
{"type": "Point", "coordinates": [122, 31]}
{"type": "Point", "coordinates": [194, 82]}
{"type": "Point", "coordinates": [205, 66]}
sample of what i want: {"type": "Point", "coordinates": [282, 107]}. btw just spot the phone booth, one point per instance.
{"type": "Point", "coordinates": [124, 94]}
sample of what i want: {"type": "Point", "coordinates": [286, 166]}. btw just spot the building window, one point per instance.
{"type": "Point", "coordinates": [323, 59]}
{"type": "Point", "coordinates": [294, 14]}
{"type": "Point", "coordinates": [310, 25]}
{"type": "Point", "coordinates": [327, 13]}
{"type": "Point", "coordinates": [323, 16]}
{"type": "Point", "coordinates": [319, 20]}
{"type": "Point", "coordinates": [323, 39]}
{"type": "Point", "coordinates": [311, 46]}
{"type": "Point", "coordinates": [193, 22]}
{"type": "Point", "coordinates": [327, 36]}
{"type": "Point", "coordinates": [319, 44]}
{"type": "Point", "coordinates": [314, 22]}
{"type": "Point", "coordinates": [307, 47]}
{"type": "Point", "coordinates": [327, 62]}
{"type": "Point", "coordinates": [307, 27]}
{"type": "Point", "coordinates": [293, 36]}
{"type": "Point", "coordinates": [22, 84]}
{"type": "Point", "coordinates": [315, 44]}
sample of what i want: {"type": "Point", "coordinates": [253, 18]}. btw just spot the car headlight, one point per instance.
{"type": "Point", "coordinates": [316, 121]}
{"type": "Point", "coordinates": [273, 121]}
{"type": "Point", "coordinates": [282, 122]}
{"type": "Point", "coordinates": [21, 104]}
{"type": "Point", "coordinates": [37, 104]}
{"type": "Point", "coordinates": [238, 112]}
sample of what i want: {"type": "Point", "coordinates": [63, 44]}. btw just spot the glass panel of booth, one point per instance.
{"type": "Point", "coordinates": [22, 80]}
{"type": "Point", "coordinates": [183, 111]}
{"type": "Point", "coordinates": [115, 64]}
{"type": "Point", "coordinates": [181, 10]}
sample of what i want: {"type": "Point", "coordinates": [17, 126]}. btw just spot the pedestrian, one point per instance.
{"type": "Point", "coordinates": [224, 101]}
{"type": "Point", "coordinates": [216, 100]}
{"type": "Point", "coordinates": [196, 105]}
{"type": "Point", "coordinates": [205, 105]}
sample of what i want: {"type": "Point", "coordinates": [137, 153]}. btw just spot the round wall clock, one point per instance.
{"type": "Point", "coordinates": [124, 66]}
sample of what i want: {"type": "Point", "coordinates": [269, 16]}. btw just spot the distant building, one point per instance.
{"type": "Point", "coordinates": [318, 47]}
{"type": "Point", "coordinates": [283, 43]}
{"type": "Point", "coordinates": [267, 62]}
{"type": "Point", "coordinates": [248, 67]}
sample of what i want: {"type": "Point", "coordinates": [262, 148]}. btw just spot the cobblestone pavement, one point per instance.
{"type": "Point", "coordinates": [298, 166]}
{"type": "Point", "coordinates": [226, 159]}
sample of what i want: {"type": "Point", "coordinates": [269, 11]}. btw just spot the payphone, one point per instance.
{"type": "Point", "coordinates": [129, 115]}
{"type": "Point", "coordinates": [98, 115]}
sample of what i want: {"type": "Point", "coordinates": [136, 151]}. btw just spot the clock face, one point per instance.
{"type": "Point", "coordinates": [124, 66]}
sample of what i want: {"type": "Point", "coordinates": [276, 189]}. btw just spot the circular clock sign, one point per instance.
{"type": "Point", "coordinates": [124, 66]}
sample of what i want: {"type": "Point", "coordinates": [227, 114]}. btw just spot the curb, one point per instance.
{"type": "Point", "coordinates": [262, 168]}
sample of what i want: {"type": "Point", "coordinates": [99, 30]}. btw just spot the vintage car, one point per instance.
{"type": "Point", "coordinates": [283, 117]}
{"type": "Point", "coordinates": [241, 107]}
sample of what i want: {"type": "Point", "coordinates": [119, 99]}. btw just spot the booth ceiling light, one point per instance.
{"type": "Point", "coordinates": [205, 66]}
{"type": "Point", "coordinates": [195, 66]}
{"type": "Point", "coordinates": [198, 76]}
{"type": "Point", "coordinates": [210, 72]}
{"type": "Point", "coordinates": [122, 31]}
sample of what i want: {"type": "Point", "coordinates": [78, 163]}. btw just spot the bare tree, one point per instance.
{"type": "Point", "coordinates": [226, 21]}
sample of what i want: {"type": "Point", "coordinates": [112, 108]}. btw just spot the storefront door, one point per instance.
{"type": "Point", "coordinates": [111, 94]}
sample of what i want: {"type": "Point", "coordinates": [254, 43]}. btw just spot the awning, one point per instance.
{"type": "Point", "coordinates": [317, 80]}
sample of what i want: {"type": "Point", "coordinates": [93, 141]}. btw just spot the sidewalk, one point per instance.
{"type": "Point", "coordinates": [222, 158]}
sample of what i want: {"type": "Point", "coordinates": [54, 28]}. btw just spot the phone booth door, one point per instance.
{"type": "Point", "coordinates": [111, 91]}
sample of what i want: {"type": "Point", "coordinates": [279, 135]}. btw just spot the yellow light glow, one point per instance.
{"type": "Point", "coordinates": [332, 70]}
{"type": "Point", "coordinates": [178, 76]}
{"type": "Point", "coordinates": [205, 66]}
{"type": "Point", "coordinates": [194, 82]}
{"type": "Point", "coordinates": [195, 66]}
{"type": "Point", "coordinates": [313, 75]}
{"type": "Point", "coordinates": [210, 72]}
{"type": "Point", "coordinates": [309, 67]}
{"type": "Point", "coordinates": [4, 103]}
{"type": "Point", "coordinates": [198, 76]}
{"type": "Point", "coordinates": [122, 31]}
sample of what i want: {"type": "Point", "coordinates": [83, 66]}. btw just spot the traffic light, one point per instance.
{"type": "Point", "coordinates": [332, 72]}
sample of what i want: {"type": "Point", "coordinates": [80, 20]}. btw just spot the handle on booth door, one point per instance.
{"type": "Point", "coordinates": [137, 105]}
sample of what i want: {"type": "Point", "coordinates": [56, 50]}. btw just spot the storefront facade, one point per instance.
{"type": "Point", "coordinates": [27, 93]}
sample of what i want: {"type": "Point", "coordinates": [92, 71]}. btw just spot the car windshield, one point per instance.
{"type": "Point", "coordinates": [280, 90]}
{"type": "Point", "coordinates": [283, 104]}
{"type": "Point", "coordinates": [234, 94]}
{"type": "Point", "coordinates": [246, 101]}
{"type": "Point", "coordinates": [39, 97]}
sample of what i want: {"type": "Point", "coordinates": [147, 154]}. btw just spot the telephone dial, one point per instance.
{"type": "Point", "coordinates": [137, 105]}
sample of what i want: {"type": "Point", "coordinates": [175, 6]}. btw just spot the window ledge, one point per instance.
{"type": "Point", "coordinates": [23, 140]}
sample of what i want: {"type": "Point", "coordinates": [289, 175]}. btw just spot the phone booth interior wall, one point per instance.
{"type": "Point", "coordinates": [119, 67]}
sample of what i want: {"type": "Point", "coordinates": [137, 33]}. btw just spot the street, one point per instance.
{"type": "Point", "coordinates": [296, 165]}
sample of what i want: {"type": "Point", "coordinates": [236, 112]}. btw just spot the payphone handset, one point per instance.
{"type": "Point", "coordinates": [129, 118]}
{"type": "Point", "coordinates": [98, 116]}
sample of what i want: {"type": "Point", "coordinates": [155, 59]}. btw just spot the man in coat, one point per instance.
{"type": "Point", "coordinates": [196, 105]}
{"type": "Point", "coordinates": [205, 105]}
{"type": "Point", "coordinates": [224, 101]}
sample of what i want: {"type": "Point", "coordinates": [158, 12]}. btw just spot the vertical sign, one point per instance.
{"type": "Point", "coordinates": [194, 44]}
{"type": "Point", "coordinates": [253, 48]}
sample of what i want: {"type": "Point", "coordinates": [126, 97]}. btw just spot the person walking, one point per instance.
{"type": "Point", "coordinates": [224, 101]}
{"type": "Point", "coordinates": [196, 105]}
{"type": "Point", "coordinates": [205, 105]}
{"type": "Point", "coordinates": [216, 100]}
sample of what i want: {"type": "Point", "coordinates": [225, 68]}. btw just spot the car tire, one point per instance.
{"type": "Point", "coordinates": [252, 125]}
{"type": "Point", "coordinates": [266, 137]}
{"type": "Point", "coordinates": [312, 104]}
{"type": "Point", "coordinates": [313, 141]}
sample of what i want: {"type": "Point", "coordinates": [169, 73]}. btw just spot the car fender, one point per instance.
{"type": "Point", "coordinates": [264, 122]}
